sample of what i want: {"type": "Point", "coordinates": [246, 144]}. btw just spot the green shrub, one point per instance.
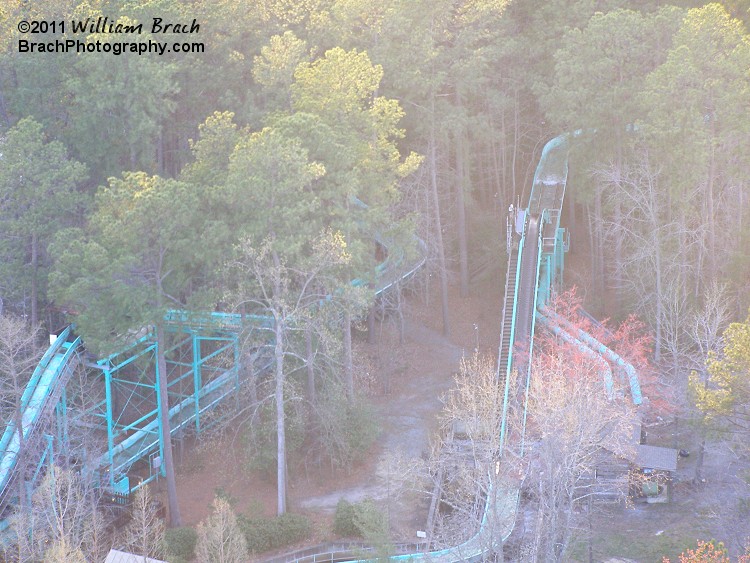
{"type": "Point", "coordinates": [346, 430]}
{"type": "Point", "coordinates": [363, 519]}
{"type": "Point", "coordinates": [264, 534]}
{"type": "Point", "coordinates": [371, 521]}
{"type": "Point", "coordinates": [222, 493]}
{"type": "Point", "coordinates": [362, 428]}
{"type": "Point", "coordinates": [181, 543]}
{"type": "Point", "coordinates": [343, 520]}
{"type": "Point", "coordinates": [260, 437]}
{"type": "Point", "coordinates": [258, 533]}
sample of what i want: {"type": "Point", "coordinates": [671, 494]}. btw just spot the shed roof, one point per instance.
{"type": "Point", "coordinates": [655, 457]}
{"type": "Point", "coordinates": [115, 556]}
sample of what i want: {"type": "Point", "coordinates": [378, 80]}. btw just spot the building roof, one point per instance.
{"type": "Point", "coordinates": [115, 556]}
{"type": "Point", "coordinates": [654, 457]}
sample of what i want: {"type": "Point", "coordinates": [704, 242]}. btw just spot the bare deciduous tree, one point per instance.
{"type": "Point", "coordinates": [220, 539]}
{"type": "Point", "coordinates": [290, 296]}
{"type": "Point", "coordinates": [656, 245]}
{"type": "Point", "coordinates": [466, 472]}
{"type": "Point", "coordinates": [63, 517]}
{"type": "Point", "coordinates": [706, 325]}
{"type": "Point", "coordinates": [19, 355]}
{"type": "Point", "coordinates": [145, 533]}
{"type": "Point", "coordinates": [572, 425]}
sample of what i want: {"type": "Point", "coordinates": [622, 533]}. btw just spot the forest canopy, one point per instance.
{"type": "Point", "coordinates": [274, 157]}
{"type": "Point", "coordinates": [359, 90]}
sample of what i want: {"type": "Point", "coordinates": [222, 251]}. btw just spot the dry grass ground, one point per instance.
{"type": "Point", "coordinates": [408, 381]}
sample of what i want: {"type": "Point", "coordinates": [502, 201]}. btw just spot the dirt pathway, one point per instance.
{"type": "Point", "coordinates": [408, 417]}
{"type": "Point", "coordinates": [424, 370]}
{"type": "Point", "coordinates": [410, 380]}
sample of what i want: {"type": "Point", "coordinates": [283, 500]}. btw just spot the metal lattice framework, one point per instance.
{"type": "Point", "coordinates": [535, 265]}
{"type": "Point", "coordinates": [203, 365]}
{"type": "Point", "coordinates": [202, 370]}
{"type": "Point", "coordinates": [107, 420]}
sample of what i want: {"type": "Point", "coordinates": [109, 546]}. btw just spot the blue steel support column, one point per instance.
{"type": "Point", "coordinates": [509, 367]}
{"type": "Point", "coordinates": [61, 415]}
{"type": "Point", "coordinates": [51, 453]}
{"type": "Point", "coordinates": [559, 258]}
{"type": "Point", "coordinates": [197, 383]}
{"type": "Point", "coordinates": [531, 351]}
{"type": "Point", "coordinates": [110, 429]}
{"type": "Point", "coordinates": [545, 281]}
{"type": "Point", "coordinates": [236, 349]}
{"type": "Point", "coordinates": [159, 427]}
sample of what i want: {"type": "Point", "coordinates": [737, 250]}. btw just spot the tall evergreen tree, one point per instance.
{"type": "Point", "coordinates": [38, 197]}
{"type": "Point", "coordinates": [139, 259]}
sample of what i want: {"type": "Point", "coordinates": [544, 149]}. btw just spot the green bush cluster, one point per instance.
{"type": "Point", "coordinates": [222, 493]}
{"type": "Point", "coordinates": [343, 520]}
{"type": "Point", "coordinates": [361, 428]}
{"type": "Point", "coordinates": [263, 534]}
{"type": "Point", "coordinates": [181, 544]}
{"type": "Point", "coordinates": [346, 430]}
{"type": "Point", "coordinates": [260, 437]}
{"type": "Point", "coordinates": [362, 519]}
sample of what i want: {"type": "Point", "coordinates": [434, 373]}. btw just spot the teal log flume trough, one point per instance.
{"type": "Point", "coordinates": [209, 343]}
{"type": "Point", "coordinates": [203, 370]}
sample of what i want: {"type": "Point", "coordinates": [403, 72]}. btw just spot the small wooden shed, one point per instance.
{"type": "Point", "coordinates": [117, 556]}
{"type": "Point", "coordinates": [660, 464]}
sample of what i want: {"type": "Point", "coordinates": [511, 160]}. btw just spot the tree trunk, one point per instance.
{"type": "Point", "coordinates": [439, 239]}
{"type": "Point", "coordinates": [252, 382]}
{"type": "Point", "coordinates": [280, 418]}
{"type": "Point", "coordinates": [348, 361]}
{"type": "Point", "coordinates": [310, 366]}
{"type": "Point", "coordinates": [400, 313]}
{"type": "Point", "coordinates": [516, 137]}
{"type": "Point", "coordinates": [683, 250]}
{"type": "Point", "coordinates": [34, 283]}
{"type": "Point", "coordinates": [698, 477]}
{"type": "Point", "coordinates": [571, 219]}
{"type": "Point", "coordinates": [659, 295]}
{"type": "Point", "coordinates": [461, 207]}
{"type": "Point", "coordinates": [279, 331]}
{"type": "Point", "coordinates": [174, 510]}
{"type": "Point", "coordinates": [371, 324]}
{"type": "Point", "coordinates": [600, 282]}
{"type": "Point", "coordinates": [591, 528]}
{"type": "Point", "coordinates": [710, 214]}
{"type": "Point", "coordinates": [616, 277]}
{"type": "Point", "coordinates": [497, 186]}
{"type": "Point", "coordinates": [592, 252]}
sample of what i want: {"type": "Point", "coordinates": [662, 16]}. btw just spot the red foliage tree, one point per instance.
{"type": "Point", "coordinates": [630, 340]}
{"type": "Point", "coordinates": [708, 552]}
